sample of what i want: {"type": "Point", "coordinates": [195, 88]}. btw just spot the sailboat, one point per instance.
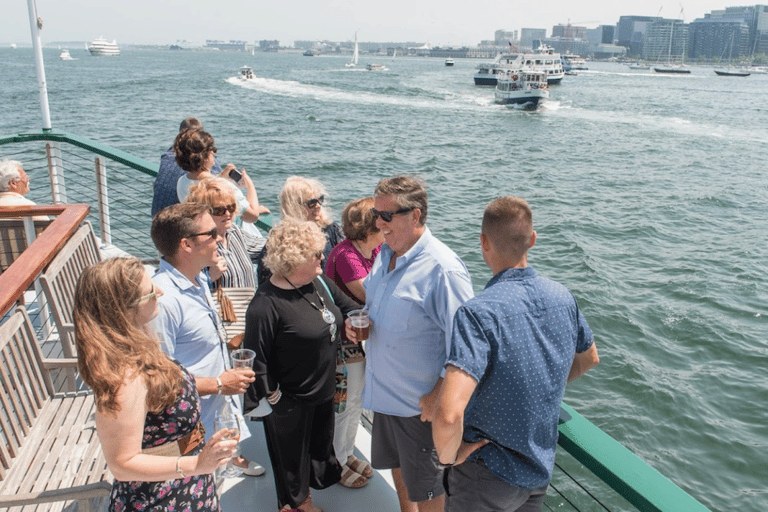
{"type": "Point", "coordinates": [730, 70]}
{"type": "Point", "coordinates": [670, 67]}
{"type": "Point", "coordinates": [353, 62]}
{"type": "Point", "coordinates": [394, 54]}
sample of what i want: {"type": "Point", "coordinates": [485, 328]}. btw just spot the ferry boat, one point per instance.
{"type": "Point", "coordinates": [521, 87]}
{"type": "Point", "coordinates": [545, 59]}
{"type": "Point", "coordinates": [449, 62]}
{"type": "Point", "coordinates": [590, 465]}
{"type": "Point", "coordinates": [573, 62]}
{"type": "Point", "coordinates": [100, 47]}
{"type": "Point", "coordinates": [375, 67]}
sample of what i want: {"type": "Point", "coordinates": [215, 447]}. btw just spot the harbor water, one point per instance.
{"type": "Point", "coordinates": [649, 193]}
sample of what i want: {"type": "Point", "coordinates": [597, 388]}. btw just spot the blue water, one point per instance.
{"type": "Point", "coordinates": [649, 198]}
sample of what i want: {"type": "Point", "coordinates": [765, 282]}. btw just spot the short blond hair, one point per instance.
{"type": "Point", "coordinates": [212, 191]}
{"type": "Point", "coordinates": [291, 243]}
{"type": "Point", "coordinates": [296, 191]}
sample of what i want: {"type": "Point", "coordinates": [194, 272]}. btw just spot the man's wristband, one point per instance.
{"type": "Point", "coordinates": [218, 383]}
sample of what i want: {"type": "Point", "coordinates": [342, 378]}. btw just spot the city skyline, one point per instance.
{"type": "Point", "coordinates": [152, 22]}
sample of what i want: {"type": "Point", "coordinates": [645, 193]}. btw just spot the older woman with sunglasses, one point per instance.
{"type": "Point", "coordinates": [302, 199]}
{"type": "Point", "coordinates": [293, 324]}
{"type": "Point", "coordinates": [236, 249]}
{"type": "Point", "coordinates": [147, 404]}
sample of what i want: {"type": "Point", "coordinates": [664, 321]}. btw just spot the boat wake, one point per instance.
{"type": "Point", "coordinates": [295, 89]}
{"type": "Point", "coordinates": [657, 123]}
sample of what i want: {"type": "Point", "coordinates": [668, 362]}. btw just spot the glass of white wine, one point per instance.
{"type": "Point", "coordinates": [225, 419]}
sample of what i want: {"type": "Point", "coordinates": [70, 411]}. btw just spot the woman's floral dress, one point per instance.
{"type": "Point", "coordinates": [193, 493]}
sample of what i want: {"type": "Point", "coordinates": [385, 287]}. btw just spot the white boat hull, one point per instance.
{"type": "Point", "coordinates": [104, 48]}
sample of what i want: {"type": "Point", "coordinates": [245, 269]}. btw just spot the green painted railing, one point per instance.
{"type": "Point", "coordinates": [615, 466]}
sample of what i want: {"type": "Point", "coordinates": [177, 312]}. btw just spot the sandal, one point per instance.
{"type": "Point", "coordinates": [360, 467]}
{"type": "Point", "coordinates": [351, 478]}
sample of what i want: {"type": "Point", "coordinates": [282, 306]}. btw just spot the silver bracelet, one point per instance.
{"type": "Point", "coordinates": [178, 467]}
{"type": "Point", "coordinates": [218, 382]}
{"type": "Point", "coordinates": [273, 401]}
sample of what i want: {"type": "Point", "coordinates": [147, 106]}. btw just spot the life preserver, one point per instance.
{"type": "Point", "coordinates": [514, 77]}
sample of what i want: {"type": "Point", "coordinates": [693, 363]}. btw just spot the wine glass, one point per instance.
{"type": "Point", "coordinates": [225, 419]}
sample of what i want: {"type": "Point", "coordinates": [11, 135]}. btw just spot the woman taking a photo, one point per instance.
{"type": "Point", "coordinates": [147, 405]}
{"type": "Point", "coordinates": [348, 265]}
{"type": "Point", "coordinates": [293, 324]}
{"type": "Point", "coordinates": [195, 153]}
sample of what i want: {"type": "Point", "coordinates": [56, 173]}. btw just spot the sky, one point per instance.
{"type": "Point", "coordinates": [441, 22]}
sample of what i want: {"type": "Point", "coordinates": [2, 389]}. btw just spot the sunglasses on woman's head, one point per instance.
{"type": "Point", "coordinates": [218, 211]}
{"type": "Point", "coordinates": [387, 216]}
{"type": "Point", "coordinates": [311, 203]}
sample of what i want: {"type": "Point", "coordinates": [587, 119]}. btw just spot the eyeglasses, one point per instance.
{"type": "Point", "coordinates": [387, 216]}
{"type": "Point", "coordinates": [146, 297]}
{"type": "Point", "coordinates": [311, 203]}
{"type": "Point", "coordinates": [218, 211]}
{"type": "Point", "coordinates": [213, 233]}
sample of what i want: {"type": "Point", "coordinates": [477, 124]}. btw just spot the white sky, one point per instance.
{"type": "Point", "coordinates": [439, 21]}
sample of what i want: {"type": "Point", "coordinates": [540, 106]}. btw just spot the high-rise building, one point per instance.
{"type": "Point", "coordinates": [503, 37]}
{"type": "Point", "coordinates": [665, 39]}
{"type": "Point", "coordinates": [631, 32]}
{"type": "Point", "coordinates": [569, 31]}
{"type": "Point", "coordinates": [715, 30]}
{"type": "Point", "coordinates": [529, 35]}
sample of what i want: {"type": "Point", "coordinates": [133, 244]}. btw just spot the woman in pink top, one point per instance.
{"type": "Point", "coordinates": [348, 264]}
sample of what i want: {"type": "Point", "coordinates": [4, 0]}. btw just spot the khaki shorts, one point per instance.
{"type": "Point", "coordinates": [406, 443]}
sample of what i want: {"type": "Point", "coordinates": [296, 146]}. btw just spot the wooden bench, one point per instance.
{"type": "Point", "coordinates": [60, 277]}
{"type": "Point", "coordinates": [13, 240]}
{"type": "Point", "coordinates": [50, 454]}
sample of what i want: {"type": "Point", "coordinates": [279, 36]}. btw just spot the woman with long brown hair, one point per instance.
{"type": "Point", "coordinates": [147, 414]}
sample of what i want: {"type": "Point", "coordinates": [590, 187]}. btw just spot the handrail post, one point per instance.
{"type": "Point", "coordinates": [103, 193]}
{"type": "Point", "coordinates": [56, 172]}
{"type": "Point", "coordinates": [30, 233]}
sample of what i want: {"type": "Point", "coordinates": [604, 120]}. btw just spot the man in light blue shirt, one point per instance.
{"type": "Point", "coordinates": [415, 286]}
{"type": "Point", "coordinates": [190, 329]}
{"type": "Point", "coordinates": [515, 346]}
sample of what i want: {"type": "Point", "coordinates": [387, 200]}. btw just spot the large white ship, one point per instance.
{"type": "Point", "coordinates": [100, 47]}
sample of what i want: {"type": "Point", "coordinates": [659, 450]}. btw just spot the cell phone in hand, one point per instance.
{"type": "Point", "coordinates": [236, 175]}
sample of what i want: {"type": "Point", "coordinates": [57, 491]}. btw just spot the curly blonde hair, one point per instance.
{"type": "Point", "coordinates": [212, 191]}
{"type": "Point", "coordinates": [296, 191]}
{"type": "Point", "coordinates": [290, 244]}
{"type": "Point", "coordinates": [110, 348]}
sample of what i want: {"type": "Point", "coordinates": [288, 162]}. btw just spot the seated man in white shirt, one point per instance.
{"type": "Point", "coordinates": [14, 184]}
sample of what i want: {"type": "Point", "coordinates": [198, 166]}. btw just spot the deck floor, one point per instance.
{"type": "Point", "coordinates": [257, 494]}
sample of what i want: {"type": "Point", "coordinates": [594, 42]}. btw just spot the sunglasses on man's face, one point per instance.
{"type": "Point", "coordinates": [213, 233]}
{"type": "Point", "coordinates": [387, 216]}
{"type": "Point", "coordinates": [218, 211]}
{"type": "Point", "coordinates": [311, 203]}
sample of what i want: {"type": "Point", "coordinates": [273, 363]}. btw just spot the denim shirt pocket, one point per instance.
{"type": "Point", "coordinates": [398, 314]}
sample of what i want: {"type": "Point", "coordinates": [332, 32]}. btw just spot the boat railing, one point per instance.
{"type": "Point", "coordinates": [117, 184]}
{"type": "Point", "coordinates": [593, 471]}
{"type": "Point", "coordinates": [19, 281]}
